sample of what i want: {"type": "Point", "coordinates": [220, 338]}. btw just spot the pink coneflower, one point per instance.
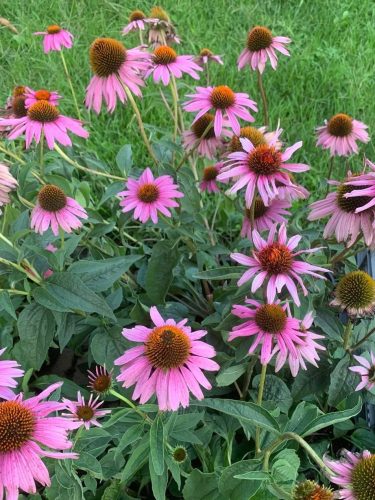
{"type": "Point", "coordinates": [275, 261]}
{"type": "Point", "coordinates": [271, 325]}
{"type": "Point", "coordinates": [25, 425]}
{"type": "Point", "coordinates": [169, 362]}
{"type": "Point", "coordinates": [345, 223]}
{"type": "Point", "coordinates": [137, 22]}
{"type": "Point", "coordinates": [225, 102]}
{"type": "Point", "coordinates": [57, 210]}
{"type": "Point", "coordinates": [260, 46]}
{"type": "Point", "coordinates": [264, 216]}
{"type": "Point", "coordinates": [261, 168]}
{"type": "Point", "coordinates": [208, 144]}
{"type": "Point", "coordinates": [51, 248]}
{"type": "Point", "coordinates": [166, 62]}
{"type": "Point", "coordinates": [354, 475]}
{"type": "Point", "coordinates": [114, 67]}
{"type": "Point", "coordinates": [364, 197]}
{"type": "Point", "coordinates": [305, 352]}
{"type": "Point", "coordinates": [9, 370]}
{"type": "Point", "coordinates": [161, 29]}
{"type": "Point", "coordinates": [100, 381]}
{"type": "Point", "coordinates": [55, 38]}
{"type": "Point", "coordinates": [7, 183]}
{"type": "Point", "coordinates": [148, 195]}
{"type": "Point", "coordinates": [366, 370]}
{"type": "Point", "coordinates": [43, 117]}
{"type": "Point", "coordinates": [257, 137]}
{"type": "Point", "coordinates": [340, 134]}
{"type": "Point", "coordinates": [209, 176]}
{"type": "Point", "coordinates": [86, 414]}
{"type": "Point", "coordinates": [206, 56]}
{"type": "Point", "coordinates": [33, 96]}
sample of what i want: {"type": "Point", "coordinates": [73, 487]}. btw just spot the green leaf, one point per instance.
{"type": "Point", "coordinates": [137, 459]}
{"type": "Point", "coordinates": [88, 462]}
{"type": "Point", "coordinates": [107, 345]}
{"type": "Point", "coordinates": [221, 273]}
{"type": "Point", "coordinates": [36, 328]}
{"type": "Point", "coordinates": [201, 486]}
{"type": "Point", "coordinates": [275, 390]}
{"type": "Point", "coordinates": [6, 304]}
{"type": "Point", "coordinates": [245, 412]}
{"type": "Point", "coordinates": [66, 292]}
{"type": "Point", "coordinates": [65, 328]}
{"type": "Point", "coordinates": [254, 475]}
{"type": "Point", "coordinates": [99, 275]}
{"type": "Point", "coordinates": [158, 482]}
{"type": "Point", "coordinates": [157, 445]}
{"type": "Point", "coordinates": [229, 375]}
{"type": "Point", "coordinates": [124, 159]}
{"type": "Point", "coordinates": [343, 381]}
{"type": "Point", "coordinates": [132, 434]}
{"type": "Point", "coordinates": [159, 272]}
{"type": "Point", "coordinates": [332, 418]}
{"type": "Point", "coordinates": [312, 381]}
{"type": "Point", "coordinates": [234, 487]}
{"type": "Point", "coordinates": [285, 467]}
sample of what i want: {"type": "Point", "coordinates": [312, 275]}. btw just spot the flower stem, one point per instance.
{"type": "Point", "coordinates": [291, 435]}
{"type": "Point", "coordinates": [12, 155]}
{"type": "Point", "coordinates": [360, 342]}
{"type": "Point", "coordinates": [175, 108]}
{"type": "Point", "coordinates": [330, 169]}
{"type": "Point", "coordinates": [249, 372]}
{"type": "Point", "coordinates": [338, 257]}
{"type": "Point", "coordinates": [131, 404]}
{"type": "Point", "coordinates": [41, 157]}
{"type": "Point", "coordinates": [252, 212]}
{"type": "Point", "coordinates": [85, 169]}
{"type": "Point", "coordinates": [70, 84]}
{"type": "Point", "coordinates": [259, 402]}
{"type": "Point", "coordinates": [139, 120]}
{"type": "Point", "coordinates": [347, 334]}
{"type": "Point", "coordinates": [32, 274]}
{"type": "Point", "coordinates": [264, 98]}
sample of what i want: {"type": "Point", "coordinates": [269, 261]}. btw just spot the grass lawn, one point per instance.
{"type": "Point", "coordinates": [331, 69]}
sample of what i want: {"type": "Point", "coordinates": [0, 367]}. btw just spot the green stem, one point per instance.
{"type": "Point", "coordinates": [41, 158]}
{"type": "Point", "coordinates": [70, 84]}
{"type": "Point", "coordinates": [16, 292]}
{"type": "Point", "coordinates": [259, 402]}
{"type": "Point", "coordinates": [291, 435]}
{"type": "Point", "coordinates": [12, 155]}
{"type": "Point", "coordinates": [139, 120]}
{"type": "Point", "coordinates": [85, 169]}
{"type": "Point", "coordinates": [131, 404]}
{"type": "Point", "coordinates": [337, 258]}
{"type": "Point", "coordinates": [252, 212]}
{"type": "Point", "coordinates": [249, 372]}
{"type": "Point", "coordinates": [34, 277]}
{"type": "Point", "coordinates": [348, 334]}
{"type": "Point", "coordinates": [360, 342]}
{"type": "Point", "coordinates": [330, 169]}
{"type": "Point", "coordinates": [175, 107]}
{"type": "Point", "coordinates": [264, 98]}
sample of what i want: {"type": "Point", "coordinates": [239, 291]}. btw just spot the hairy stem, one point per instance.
{"type": "Point", "coordinates": [70, 84]}
{"type": "Point", "coordinates": [264, 99]}
{"type": "Point", "coordinates": [131, 405]}
{"type": "Point", "coordinates": [259, 402]}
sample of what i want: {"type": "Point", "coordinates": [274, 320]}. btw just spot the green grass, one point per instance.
{"type": "Point", "coordinates": [330, 70]}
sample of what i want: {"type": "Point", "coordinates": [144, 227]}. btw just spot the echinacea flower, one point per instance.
{"type": "Point", "coordinates": [366, 370]}
{"type": "Point", "coordinates": [354, 475]}
{"type": "Point", "coordinates": [345, 223]}
{"type": "Point", "coordinates": [179, 454]}
{"type": "Point", "coordinates": [271, 326]}
{"type": "Point", "coordinates": [18, 107]}
{"type": "Point", "coordinates": [33, 96]}
{"type": "Point", "coordinates": [364, 197]}
{"type": "Point", "coordinates": [201, 137]}
{"type": "Point", "coordinates": [257, 137]}
{"type": "Point", "coordinates": [310, 490]}
{"type": "Point", "coordinates": [114, 67]}
{"type": "Point", "coordinates": [209, 176]}
{"type": "Point", "coordinates": [148, 195]}
{"type": "Point", "coordinates": [7, 183]}
{"type": "Point", "coordinates": [100, 381]}
{"type": "Point", "coordinates": [9, 370]}
{"type": "Point", "coordinates": [57, 210]}
{"type": "Point", "coordinates": [26, 430]}
{"type": "Point", "coordinates": [260, 168]}
{"type": "Point", "coordinates": [340, 134]}
{"type": "Point", "coordinates": [44, 119]}
{"type": "Point", "coordinates": [168, 363]}
{"type": "Point", "coordinates": [137, 22]}
{"type": "Point", "coordinates": [290, 192]}
{"type": "Point", "coordinates": [55, 38]}
{"type": "Point", "coordinates": [264, 216]}
{"type": "Point", "coordinates": [86, 414]}
{"type": "Point", "coordinates": [305, 352]}
{"type": "Point", "coordinates": [226, 104]}
{"type": "Point", "coordinates": [161, 29]}
{"type": "Point", "coordinates": [276, 262]}
{"type": "Point", "coordinates": [166, 62]}
{"type": "Point", "coordinates": [260, 46]}
{"type": "Point", "coordinates": [355, 294]}
{"type": "Point", "coordinates": [205, 56]}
